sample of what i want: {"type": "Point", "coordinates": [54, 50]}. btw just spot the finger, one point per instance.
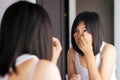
{"type": "Point", "coordinates": [82, 40]}
{"type": "Point", "coordinates": [88, 37]}
{"type": "Point", "coordinates": [73, 78]}
{"type": "Point", "coordinates": [55, 41]}
{"type": "Point", "coordinates": [78, 75]}
{"type": "Point", "coordinates": [75, 75]}
{"type": "Point", "coordinates": [86, 33]}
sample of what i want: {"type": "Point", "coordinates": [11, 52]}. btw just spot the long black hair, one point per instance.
{"type": "Point", "coordinates": [93, 26]}
{"type": "Point", "coordinates": [25, 29]}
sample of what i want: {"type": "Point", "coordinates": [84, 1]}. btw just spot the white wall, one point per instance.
{"type": "Point", "coordinates": [72, 15]}
{"type": "Point", "coordinates": [117, 33]}
{"type": "Point", "coordinates": [5, 3]}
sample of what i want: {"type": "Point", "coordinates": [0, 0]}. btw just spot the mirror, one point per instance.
{"type": "Point", "coordinates": [110, 22]}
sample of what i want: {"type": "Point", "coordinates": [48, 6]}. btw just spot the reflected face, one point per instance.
{"type": "Point", "coordinates": [80, 30]}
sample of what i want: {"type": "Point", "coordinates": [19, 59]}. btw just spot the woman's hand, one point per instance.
{"type": "Point", "coordinates": [85, 42]}
{"type": "Point", "coordinates": [75, 77]}
{"type": "Point", "coordinates": [56, 50]}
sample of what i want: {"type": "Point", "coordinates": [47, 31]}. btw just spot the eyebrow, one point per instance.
{"type": "Point", "coordinates": [80, 28]}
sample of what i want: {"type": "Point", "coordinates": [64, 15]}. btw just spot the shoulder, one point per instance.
{"type": "Point", "coordinates": [46, 70]}
{"type": "Point", "coordinates": [71, 52]}
{"type": "Point", "coordinates": [109, 50]}
{"type": "Point", "coordinates": [47, 64]}
{"type": "Point", "coordinates": [23, 69]}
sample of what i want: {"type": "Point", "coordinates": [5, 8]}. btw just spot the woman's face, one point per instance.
{"type": "Point", "coordinates": [80, 31]}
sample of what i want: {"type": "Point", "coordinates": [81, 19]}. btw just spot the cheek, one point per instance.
{"type": "Point", "coordinates": [75, 37]}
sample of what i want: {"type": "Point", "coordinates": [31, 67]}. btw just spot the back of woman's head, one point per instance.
{"type": "Point", "coordinates": [25, 28]}
{"type": "Point", "coordinates": [94, 27]}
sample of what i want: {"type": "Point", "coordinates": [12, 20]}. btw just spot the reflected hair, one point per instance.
{"type": "Point", "coordinates": [93, 26]}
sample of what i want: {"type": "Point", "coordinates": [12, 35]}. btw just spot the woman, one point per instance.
{"type": "Point", "coordinates": [28, 50]}
{"type": "Point", "coordinates": [90, 57]}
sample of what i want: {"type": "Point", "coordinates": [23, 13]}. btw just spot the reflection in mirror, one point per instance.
{"type": "Point", "coordinates": [106, 10]}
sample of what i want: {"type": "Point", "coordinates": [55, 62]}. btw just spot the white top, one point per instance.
{"type": "Point", "coordinates": [22, 59]}
{"type": "Point", "coordinates": [84, 71]}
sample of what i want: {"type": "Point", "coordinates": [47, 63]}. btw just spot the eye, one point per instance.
{"type": "Point", "coordinates": [84, 30]}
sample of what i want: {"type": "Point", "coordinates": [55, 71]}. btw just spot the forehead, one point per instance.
{"type": "Point", "coordinates": [81, 24]}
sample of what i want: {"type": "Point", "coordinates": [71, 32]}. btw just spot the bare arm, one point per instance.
{"type": "Point", "coordinates": [57, 48]}
{"type": "Point", "coordinates": [108, 61]}
{"type": "Point", "coordinates": [71, 65]}
{"type": "Point", "coordinates": [92, 69]}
